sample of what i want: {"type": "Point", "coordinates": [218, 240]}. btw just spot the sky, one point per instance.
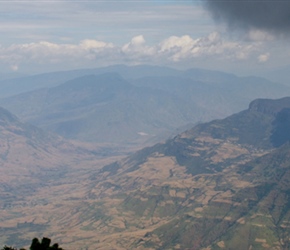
{"type": "Point", "coordinates": [243, 37]}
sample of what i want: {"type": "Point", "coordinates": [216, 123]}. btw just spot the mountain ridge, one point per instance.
{"type": "Point", "coordinates": [201, 189]}
{"type": "Point", "coordinates": [206, 189]}
{"type": "Point", "coordinates": [100, 105]}
{"type": "Point", "coordinates": [146, 109]}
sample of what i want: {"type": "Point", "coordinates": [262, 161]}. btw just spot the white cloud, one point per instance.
{"type": "Point", "coordinates": [93, 44]}
{"type": "Point", "coordinates": [138, 41]}
{"type": "Point", "coordinates": [213, 45]}
{"type": "Point", "coordinates": [179, 47]}
{"type": "Point", "coordinates": [263, 57]}
{"type": "Point", "coordinates": [14, 67]}
{"type": "Point", "coordinates": [46, 52]}
{"type": "Point", "coordinates": [137, 49]}
{"type": "Point", "coordinates": [174, 49]}
{"type": "Point", "coordinates": [177, 42]}
{"type": "Point", "coordinates": [259, 35]}
{"type": "Point", "coordinates": [136, 44]}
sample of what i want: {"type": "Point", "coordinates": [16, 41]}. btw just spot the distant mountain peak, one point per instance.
{"type": "Point", "coordinates": [94, 81]}
{"type": "Point", "coordinates": [269, 106]}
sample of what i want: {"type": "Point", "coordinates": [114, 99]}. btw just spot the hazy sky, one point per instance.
{"type": "Point", "coordinates": [236, 36]}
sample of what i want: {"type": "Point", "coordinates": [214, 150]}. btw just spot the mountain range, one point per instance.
{"type": "Point", "coordinates": [130, 106]}
{"type": "Point", "coordinates": [220, 185]}
{"type": "Point", "coordinates": [223, 184]}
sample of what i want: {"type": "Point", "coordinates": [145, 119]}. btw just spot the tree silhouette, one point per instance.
{"type": "Point", "coordinates": [37, 245]}
{"type": "Point", "coordinates": [43, 245]}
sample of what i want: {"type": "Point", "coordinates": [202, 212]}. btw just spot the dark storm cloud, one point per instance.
{"type": "Point", "coordinates": [270, 15]}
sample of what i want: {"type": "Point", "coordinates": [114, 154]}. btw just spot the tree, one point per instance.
{"type": "Point", "coordinates": [44, 245]}
{"type": "Point", "coordinates": [37, 245]}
